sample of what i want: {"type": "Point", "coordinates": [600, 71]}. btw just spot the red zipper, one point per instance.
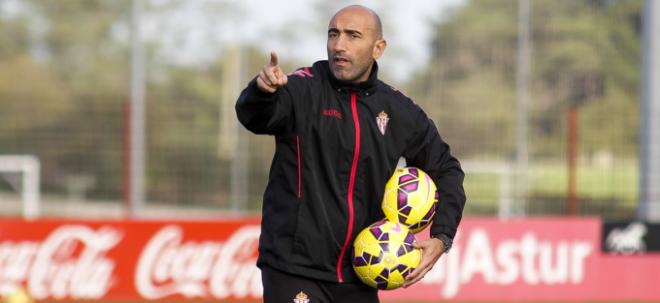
{"type": "Point", "coordinates": [299, 164]}
{"type": "Point", "coordinates": [351, 185]}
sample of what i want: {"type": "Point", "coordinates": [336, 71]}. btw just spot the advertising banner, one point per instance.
{"type": "Point", "coordinates": [117, 260]}
{"type": "Point", "coordinates": [633, 237]}
{"type": "Point", "coordinates": [536, 259]}
{"type": "Point", "coordinates": [540, 259]}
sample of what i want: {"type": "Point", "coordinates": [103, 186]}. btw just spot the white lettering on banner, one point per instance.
{"type": "Point", "coordinates": [15, 262]}
{"type": "Point", "coordinates": [169, 266]}
{"type": "Point", "coordinates": [528, 260]}
{"type": "Point", "coordinates": [70, 262]}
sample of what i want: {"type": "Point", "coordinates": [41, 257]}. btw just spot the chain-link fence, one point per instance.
{"type": "Point", "coordinates": [64, 94]}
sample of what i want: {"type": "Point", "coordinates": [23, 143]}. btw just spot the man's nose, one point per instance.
{"type": "Point", "coordinates": [339, 44]}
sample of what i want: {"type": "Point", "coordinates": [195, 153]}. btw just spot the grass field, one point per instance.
{"type": "Point", "coordinates": [599, 189]}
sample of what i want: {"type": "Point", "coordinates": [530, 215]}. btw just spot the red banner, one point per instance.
{"type": "Point", "coordinates": [117, 260]}
{"type": "Point", "coordinates": [537, 259]}
{"type": "Point", "coordinates": [492, 260]}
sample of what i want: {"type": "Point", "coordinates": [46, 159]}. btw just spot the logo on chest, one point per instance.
{"type": "Point", "coordinates": [301, 297]}
{"type": "Point", "coordinates": [332, 113]}
{"type": "Point", "coordinates": [382, 121]}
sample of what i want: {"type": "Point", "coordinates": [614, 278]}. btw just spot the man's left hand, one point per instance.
{"type": "Point", "coordinates": [432, 249]}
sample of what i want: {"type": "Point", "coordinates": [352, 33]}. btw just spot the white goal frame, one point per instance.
{"type": "Point", "coordinates": [30, 168]}
{"type": "Point", "coordinates": [505, 173]}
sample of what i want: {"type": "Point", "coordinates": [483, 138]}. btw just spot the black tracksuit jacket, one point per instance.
{"type": "Point", "coordinates": [331, 164]}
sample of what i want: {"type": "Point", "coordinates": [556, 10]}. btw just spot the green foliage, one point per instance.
{"type": "Point", "coordinates": [584, 53]}
{"type": "Point", "coordinates": [29, 87]}
{"type": "Point", "coordinates": [183, 136]}
{"type": "Point", "coordinates": [14, 37]}
{"type": "Point", "coordinates": [64, 87]}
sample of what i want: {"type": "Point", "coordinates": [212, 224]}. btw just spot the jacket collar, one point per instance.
{"type": "Point", "coordinates": [366, 86]}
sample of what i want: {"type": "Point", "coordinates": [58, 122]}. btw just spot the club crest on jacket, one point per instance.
{"type": "Point", "coordinates": [301, 297]}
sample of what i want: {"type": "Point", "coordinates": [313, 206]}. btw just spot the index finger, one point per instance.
{"type": "Point", "coordinates": [416, 275]}
{"type": "Point", "coordinates": [418, 270]}
{"type": "Point", "coordinates": [273, 59]}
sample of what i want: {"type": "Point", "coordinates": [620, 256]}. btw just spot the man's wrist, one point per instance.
{"type": "Point", "coordinates": [446, 241]}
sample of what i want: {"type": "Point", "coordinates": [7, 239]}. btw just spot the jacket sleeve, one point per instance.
{"type": "Point", "coordinates": [430, 153]}
{"type": "Point", "coordinates": [265, 113]}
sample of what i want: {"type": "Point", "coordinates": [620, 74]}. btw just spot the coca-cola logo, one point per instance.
{"type": "Point", "coordinates": [70, 262]}
{"type": "Point", "coordinates": [168, 266]}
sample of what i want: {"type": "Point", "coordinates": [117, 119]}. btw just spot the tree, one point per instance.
{"type": "Point", "coordinates": [583, 52]}
{"type": "Point", "coordinates": [63, 81]}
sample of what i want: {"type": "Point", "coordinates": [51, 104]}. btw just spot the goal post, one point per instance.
{"type": "Point", "coordinates": [504, 173]}
{"type": "Point", "coordinates": [29, 169]}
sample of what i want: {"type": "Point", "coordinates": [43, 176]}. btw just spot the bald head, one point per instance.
{"type": "Point", "coordinates": [364, 13]}
{"type": "Point", "coordinates": [355, 42]}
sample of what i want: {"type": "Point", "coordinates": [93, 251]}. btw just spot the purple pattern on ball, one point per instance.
{"type": "Point", "coordinates": [403, 269]}
{"type": "Point", "coordinates": [430, 213]}
{"type": "Point", "coordinates": [376, 231]}
{"type": "Point", "coordinates": [384, 247]}
{"type": "Point", "coordinates": [366, 259]}
{"type": "Point", "coordinates": [384, 237]}
{"type": "Point", "coordinates": [406, 210]}
{"type": "Point", "coordinates": [359, 261]}
{"type": "Point", "coordinates": [376, 259]}
{"type": "Point", "coordinates": [402, 199]}
{"type": "Point", "coordinates": [426, 219]}
{"type": "Point", "coordinates": [381, 282]}
{"type": "Point", "coordinates": [405, 178]}
{"type": "Point", "coordinates": [402, 251]}
{"type": "Point", "coordinates": [414, 172]}
{"type": "Point", "coordinates": [410, 239]}
{"type": "Point", "coordinates": [385, 273]}
{"type": "Point", "coordinates": [410, 187]}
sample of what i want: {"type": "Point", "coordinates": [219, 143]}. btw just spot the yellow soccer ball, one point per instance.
{"type": "Point", "coordinates": [383, 254]}
{"type": "Point", "coordinates": [18, 296]}
{"type": "Point", "coordinates": [410, 198]}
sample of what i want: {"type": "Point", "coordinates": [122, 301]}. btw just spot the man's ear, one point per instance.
{"type": "Point", "coordinates": [379, 48]}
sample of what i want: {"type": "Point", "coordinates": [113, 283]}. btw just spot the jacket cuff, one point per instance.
{"type": "Point", "coordinates": [444, 230]}
{"type": "Point", "coordinates": [447, 242]}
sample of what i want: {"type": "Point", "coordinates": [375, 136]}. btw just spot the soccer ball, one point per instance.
{"type": "Point", "coordinates": [410, 198]}
{"type": "Point", "coordinates": [383, 254]}
{"type": "Point", "coordinates": [18, 296]}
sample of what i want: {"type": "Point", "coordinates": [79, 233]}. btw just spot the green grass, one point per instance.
{"type": "Point", "coordinates": [597, 188]}
{"type": "Point", "coordinates": [592, 182]}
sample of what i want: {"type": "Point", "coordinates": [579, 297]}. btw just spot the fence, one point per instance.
{"type": "Point", "coordinates": [71, 113]}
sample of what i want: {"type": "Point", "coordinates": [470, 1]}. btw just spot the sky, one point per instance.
{"type": "Point", "coordinates": [195, 32]}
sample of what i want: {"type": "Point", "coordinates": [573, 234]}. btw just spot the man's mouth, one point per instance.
{"type": "Point", "coordinates": [341, 60]}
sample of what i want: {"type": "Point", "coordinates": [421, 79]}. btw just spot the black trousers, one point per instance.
{"type": "Point", "coordinates": [281, 287]}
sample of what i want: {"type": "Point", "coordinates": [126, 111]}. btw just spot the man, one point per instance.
{"type": "Point", "coordinates": [339, 132]}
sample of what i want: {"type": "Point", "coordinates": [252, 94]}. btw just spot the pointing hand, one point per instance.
{"type": "Point", "coordinates": [271, 77]}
